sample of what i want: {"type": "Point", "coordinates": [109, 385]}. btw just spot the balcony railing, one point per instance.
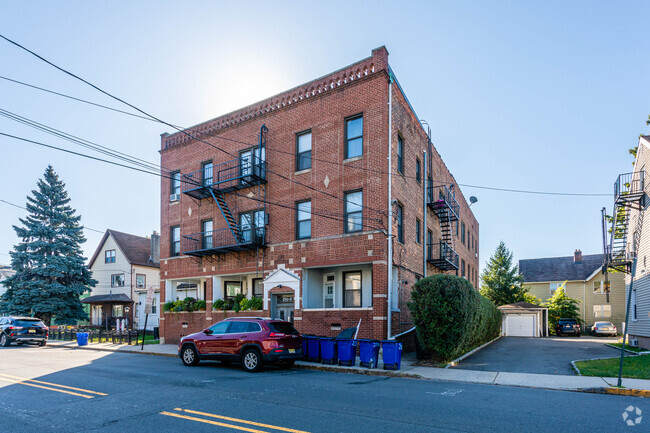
{"type": "Point", "coordinates": [629, 187]}
{"type": "Point", "coordinates": [442, 201]}
{"type": "Point", "coordinates": [442, 256]}
{"type": "Point", "coordinates": [240, 238]}
{"type": "Point", "coordinates": [228, 176]}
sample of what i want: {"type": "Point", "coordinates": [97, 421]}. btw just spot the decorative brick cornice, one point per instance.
{"type": "Point", "coordinates": [377, 62]}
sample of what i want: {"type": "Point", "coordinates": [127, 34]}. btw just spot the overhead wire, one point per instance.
{"type": "Point", "coordinates": [271, 149]}
{"type": "Point", "coordinates": [24, 208]}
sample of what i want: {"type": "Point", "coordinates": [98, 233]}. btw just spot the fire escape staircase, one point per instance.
{"type": "Point", "coordinates": [442, 201]}
{"type": "Point", "coordinates": [215, 183]}
{"type": "Point", "coordinates": [629, 194]}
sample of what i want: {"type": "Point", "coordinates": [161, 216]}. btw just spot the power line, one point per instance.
{"type": "Point", "coordinates": [24, 208]}
{"type": "Point", "coordinates": [150, 117]}
{"type": "Point", "coordinates": [338, 217]}
{"type": "Point", "coordinates": [170, 125]}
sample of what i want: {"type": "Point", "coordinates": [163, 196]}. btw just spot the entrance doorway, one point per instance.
{"type": "Point", "coordinates": [282, 306]}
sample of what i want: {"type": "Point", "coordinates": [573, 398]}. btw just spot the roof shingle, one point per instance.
{"type": "Point", "coordinates": [560, 268]}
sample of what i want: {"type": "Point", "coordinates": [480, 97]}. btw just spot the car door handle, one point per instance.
{"type": "Point", "coordinates": [243, 337]}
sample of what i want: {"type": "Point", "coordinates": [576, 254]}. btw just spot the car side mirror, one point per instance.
{"type": "Point", "coordinates": [207, 331]}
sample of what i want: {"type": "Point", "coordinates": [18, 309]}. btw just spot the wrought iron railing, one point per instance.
{"type": "Point", "coordinates": [629, 185]}
{"type": "Point", "coordinates": [443, 201]}
{"type": "Point", "coordinates": [446, 258]}
{"type": "Point", "coordinates": [224, 239]}
{"type": "Point", "coordinates": [233, 174]}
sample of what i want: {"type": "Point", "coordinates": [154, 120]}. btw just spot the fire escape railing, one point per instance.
{"type": "Point", "coordinates": [442, 201]}
{"type": "Point", "coordinates": [243, 237]}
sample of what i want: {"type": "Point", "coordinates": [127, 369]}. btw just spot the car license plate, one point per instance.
{"type": "Point", "coordinates": [292, 350]}
{"type": "Point", "coordinates": [32, 331]}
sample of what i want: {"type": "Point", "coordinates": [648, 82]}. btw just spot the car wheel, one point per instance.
{"type": "Point", "coordinates": [4, 341]}
{"type": "Point", "coordinates": [42, 343]}
{"type": "Point", "coordinates": [578, 335]}
{"type": "Point", "coordinates": [251, 360]}
{"type": "Point", "coordinates": [189, 356]}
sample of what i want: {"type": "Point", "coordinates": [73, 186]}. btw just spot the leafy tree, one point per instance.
{"type": "Point", "coordinates": [560, 306]}
{"type": "Point", "coordinates": [501, 281]}
{"type": "Point", "coordinates": [532, 299]}
{"type": "Point", "coordinates": [50, 272]}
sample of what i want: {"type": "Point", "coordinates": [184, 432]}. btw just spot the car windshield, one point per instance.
{"type": "Point", "coordinates": [28, 323]}
{"type": "Point", "coordinates": [283, 327]}
{"type": "Point", "coordinates": [567, 322]}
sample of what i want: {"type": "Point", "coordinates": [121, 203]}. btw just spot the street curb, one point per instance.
{"type": "Point", "coordinates": [619, 391]}
{"type": "Point", "coordinates": [627, 350]}
{"type": "Point", "coordinates": [367, 372]}
{"type": "Point", "coordinates": [101, 349]}
{"type": "Point", "coordinates": [471, 352]}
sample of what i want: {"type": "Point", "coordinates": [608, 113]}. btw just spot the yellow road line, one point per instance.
{"type": "Point", "coordinates": [243, 421]}
{"type": "Point", "coordinates": [54, 384]}
{"type": "Point", "coordinates": [20, 382]}
{"type": "Point", "coordinates": [207, 421]}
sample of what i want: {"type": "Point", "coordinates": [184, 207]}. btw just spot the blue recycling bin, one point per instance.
{"type": "Point", "coordinates": [369, 353]}
{"type": "Point", "coordinates": [328, 350]}
{"type": "Point", "coordinates": [313, 347]}
{"type": "Point", "coordinates": [392, 354]}
{"type": "Point", "coordinates": [347, 351]}
{"type": "Point", "coordinates": [305, 347]}
{"type": "Point", "coordinates": [82, 339]}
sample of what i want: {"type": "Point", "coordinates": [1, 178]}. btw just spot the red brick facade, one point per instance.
{"type": "Point", "coordinates": [322, 107]}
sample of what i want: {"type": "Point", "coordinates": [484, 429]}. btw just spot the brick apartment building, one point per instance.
{"type": "Point", "coordinates": [288, 200]}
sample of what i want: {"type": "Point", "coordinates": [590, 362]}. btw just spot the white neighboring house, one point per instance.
{"type": "Point", "coordinates": [634, 188]}
{"type": "Point", "coordinates": [125, 266]}
{"type": "Point", "coordinates": [5, 272]}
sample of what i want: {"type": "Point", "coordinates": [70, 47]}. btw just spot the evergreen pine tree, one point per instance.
{"type": "Point", "coordinates": [501, 282]}
{"type": "Point", "coordinates": [50, 272]}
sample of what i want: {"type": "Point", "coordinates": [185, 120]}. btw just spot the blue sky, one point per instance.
{"type": "Point", "coordinates": [543, 96]}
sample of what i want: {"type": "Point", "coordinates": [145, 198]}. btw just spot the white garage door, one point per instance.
{"type": "Point", "coordinates": [520, 325]}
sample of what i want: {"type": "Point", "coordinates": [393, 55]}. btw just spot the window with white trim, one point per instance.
{"type": "Point", "coordinates": [603, 310]}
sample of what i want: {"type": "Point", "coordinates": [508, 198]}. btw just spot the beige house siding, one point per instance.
{"type": "Point", "coordinates": [583, 291]}
{"type": "Point", "coordinates": [641, 326]}
{"type": "Point", "coordinates": [102, 271]}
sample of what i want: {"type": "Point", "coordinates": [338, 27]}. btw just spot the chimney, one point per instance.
{"type": "Point", "coordinates": [155, 247]}
{"type": "Point", "coordinates": [577, 257]}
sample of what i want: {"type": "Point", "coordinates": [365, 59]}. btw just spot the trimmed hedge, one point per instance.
{"type": "Point", "coordinates": [451, 316]}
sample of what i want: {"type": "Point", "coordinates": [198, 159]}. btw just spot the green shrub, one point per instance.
{"type": "Point", "coordinates": [451, 317]}
{"type": "Point", "coordinates": [218, 304]}
{"type": "Point", "coordinates": [243, 305]}
{"type": "Point", "coordinates": [256, 304]}
{"type": "Point", "coordinates": [167, 306]}
{"type": "Point", "coordinates": [199, 305]}
{"type": "Point", "coordinates": [228, 304]}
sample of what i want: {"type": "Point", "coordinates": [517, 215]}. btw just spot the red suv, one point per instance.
{"type": "Point", "coordinates": [253, 341]}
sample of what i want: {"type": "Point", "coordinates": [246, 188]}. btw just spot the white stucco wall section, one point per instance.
{"type": "Point", "coordinates": [282, 277]}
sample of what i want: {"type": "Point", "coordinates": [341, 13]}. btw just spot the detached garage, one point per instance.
{"type": "Point", "coordinates": [522, 319]}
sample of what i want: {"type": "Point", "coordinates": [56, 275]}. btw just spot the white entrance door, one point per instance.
{"type": "Point", "coordinates": [520, 325]}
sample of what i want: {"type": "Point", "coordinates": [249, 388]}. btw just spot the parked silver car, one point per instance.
{"type": "Point", "coordinates": [603, 328]}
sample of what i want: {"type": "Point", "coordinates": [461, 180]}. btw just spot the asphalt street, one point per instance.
{"type": "Point", "coordinates": [65, 390]}
{"type": "Point", "coordinates": [551, 355]}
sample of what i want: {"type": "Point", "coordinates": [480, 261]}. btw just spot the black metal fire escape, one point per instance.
{"type": "Point", "coordinates": [249, 170]}
{"type": "Point", "coordinates": [628, 195]}
{"type": "Point", "coordinates": [442, 201]}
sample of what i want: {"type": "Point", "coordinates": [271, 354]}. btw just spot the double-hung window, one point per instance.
{"type": "Point", "coordinates": [175, 238]}
{"type": "Point", "coordinates": [207, 173]}
{"type": "Point", "coordinates": [175, 187]}
{"type": "Point", "coordinates": [602, 311]}
{"type": "Point", "coordinates": [429, 245]}
{"type": "Point", "coordinates": [400, 223]}
{"type": "Point", "coordinates": [418, 231]}
{"type": "Point", "coordinates": [303, 220]}
{"type": "Point", "coordinates": [303, 151]}
{"type": "Point", "coordinates": [258, 288]}
{"type": "Point", "coordinates": [352, 289]}
{"type": "Point", "coordinates": [418, 170]}
{"type": "Point", "coordinates": [353, 211]}
{"type": "Point", "coordinates": [251, 162]}
{"type": "Point", "coordinates": [109, 256]}
{"type": "Point", "coordinates": [208, 234]}
{"type": "Point", "coordinates": [354, 137]}
{"type": "Point", "coordinates": [232, 289]}
{"type": "Point", "coordinates": [252, 225]}
{"type": "Point", "coordinates": [140, 281]}
{"type": "Point", "coordinates": [462, 233]}
{"type": "Point", "coordinates": [117, 280]}
{"type": "Point", "coordinates": [400, 154]}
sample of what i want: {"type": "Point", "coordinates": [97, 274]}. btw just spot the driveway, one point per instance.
{"type": "Point", "coordinates": [552, 355]}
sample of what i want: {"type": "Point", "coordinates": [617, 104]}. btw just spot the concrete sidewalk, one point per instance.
{"type": "Point", "coordinates": [410, 370]}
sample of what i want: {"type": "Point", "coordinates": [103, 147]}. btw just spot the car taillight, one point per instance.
{"type": "Point", "coordinates": [15, 328]}
{"type": "Point", "coordinates": [596, 328]}
{"type": "Point", "coordinates": [277, 334]}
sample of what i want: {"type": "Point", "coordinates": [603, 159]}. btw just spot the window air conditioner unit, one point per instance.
{"type": "Point", "coordinates": [633, 342]}
{"type": "Point", "coordinates": [174, 197]}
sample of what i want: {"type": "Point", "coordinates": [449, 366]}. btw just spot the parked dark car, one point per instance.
{"type": "Point", "coordinates": [253, 341]}
{"type": "Point", "coordinates": [568, 327]}
{"type": "Point", "coordinates": [22, 330]}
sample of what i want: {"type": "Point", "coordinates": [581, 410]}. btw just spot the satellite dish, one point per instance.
{"type": "Point", "coordinates": [472, 200]}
